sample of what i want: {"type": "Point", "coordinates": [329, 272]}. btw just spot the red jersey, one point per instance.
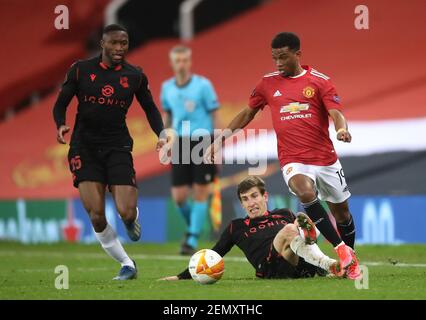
{"type": "Point", "coordinates": [299, 109]}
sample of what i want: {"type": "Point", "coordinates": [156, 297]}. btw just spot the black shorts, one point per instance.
{"type": "Point", "coordinates": [109, 166]}
{"type": "Point", "coordinates": [184, 173]}
{"type": "Point", "coordinates": [276, 267]}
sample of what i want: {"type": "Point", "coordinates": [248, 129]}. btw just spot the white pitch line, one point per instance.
{"type": "Point", "coordinates": [51, 269]}
{"type": "Point", "coordinates": [398, 264]}
{"type": "Point", "coordinates": [174, 258]}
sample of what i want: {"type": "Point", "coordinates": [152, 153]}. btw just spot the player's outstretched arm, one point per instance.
{"type": "Point", "coordinates": [241, 120]}
{"type": "Point", "coordinates": [68, 90]}
{"type": "Point", "coordinates": [341, 125]}
{"type": "Point", "coordinates": [144, 97]}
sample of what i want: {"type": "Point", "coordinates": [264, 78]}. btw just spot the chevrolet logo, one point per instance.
{"type": "Point", "coordinates": [294, 107]}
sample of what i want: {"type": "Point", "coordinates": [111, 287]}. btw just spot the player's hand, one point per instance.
{"type": "Point", "coordinates": [344, 135]}
{"type": "Point", "coordinates": [161, 143]}
{"type": "Point", "coordinates": [61, 132]}
{"type": "Point", "coordinates": [172, 278]}
{"type": "Point", "coordinates": [212, 152]}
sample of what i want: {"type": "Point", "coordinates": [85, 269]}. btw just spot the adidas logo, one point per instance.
{"type": "Point", "coordinates": [277, 93]}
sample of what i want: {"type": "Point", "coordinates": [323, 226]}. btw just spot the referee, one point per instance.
{"type": "Point", "coordinates": [100, 148]}
{"type": "Point", "coordinates": [190, 103]}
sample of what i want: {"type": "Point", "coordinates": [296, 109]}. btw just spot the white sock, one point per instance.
{"type": "Point", "coordinates": [109, 241]}
{"type": "Point", "coordinates": [311, 253]}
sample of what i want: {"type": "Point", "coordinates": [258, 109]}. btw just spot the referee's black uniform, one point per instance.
{"type": "Point", "coordinates": [100, 147]}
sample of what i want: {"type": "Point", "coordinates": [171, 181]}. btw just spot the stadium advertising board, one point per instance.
{"type": "Point", "coordinates": [379, 219]}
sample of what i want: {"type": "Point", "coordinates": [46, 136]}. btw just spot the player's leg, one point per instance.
{"type": "Point", "coordinates": [181, 182]}
{"type": "Point", "coordinates": [199, 213]}
{"type": "Point", "coordinates": [291, 245]}
{"type": "Point", "coordinates": [181, 176]}
{"type": "Point", "coordinates": [346, 227]}
{"type": "Point", "coordinates": [304, 188]}
{"type": "Point", "coordinates": [180, 195]}
{"type": "Point", "coordinates": [126, 199]}
{"type": "Point", "coordinates": [333, 189]}
{"type": "Point", "coordinates": [344, 221]}
{"type": "Point", "coordinates": [122, 184]}
{"type": "Point", "coordinates": [203, 175]}
{"type": "Point", "coordinates": [181, 192]}
{"type": "Point", "coordinates": [282, 242]}
{"type": "Point", "coordinates": [92, 195]}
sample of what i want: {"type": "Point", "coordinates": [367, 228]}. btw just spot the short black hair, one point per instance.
{"type": "Point", "coordinates": [114, 27]}
{"type": "Point", "coordinates": [286, 39]}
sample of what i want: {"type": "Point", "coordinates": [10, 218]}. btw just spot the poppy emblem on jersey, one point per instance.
{"type": "Point", "coordinates": [289, 170]}
{"type": "Point", "coordinates": [308, 92]}
{"type": "Point", "coordinates": [107, 90]}
{"type": "Point", "coordinates": [124, 82]}
{"type": "Point", "coordinates": [294, 107]}
{"type": "Point", "coordinates": [92, 77]}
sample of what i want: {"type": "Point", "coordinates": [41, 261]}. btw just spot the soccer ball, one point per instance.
{"type": "Point", "coordinates": [206, 266]}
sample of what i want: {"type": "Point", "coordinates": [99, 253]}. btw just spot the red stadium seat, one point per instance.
{"type": "Point", "coordinates": [35, 54]}
{"type": "Point", "coordinates": [378, 74]}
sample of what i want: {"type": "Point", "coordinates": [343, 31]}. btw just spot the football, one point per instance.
{"type": "Point", "coordinates": [206, 266]}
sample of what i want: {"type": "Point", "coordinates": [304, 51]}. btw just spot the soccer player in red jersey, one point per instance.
{"type": "Point", "coordinates": [301, 99]}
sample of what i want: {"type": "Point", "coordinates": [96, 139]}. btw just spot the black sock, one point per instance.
{"type": "Point", "coordinates": [347, 232]}
{"type": "Point", "coordinates": [320, 217]}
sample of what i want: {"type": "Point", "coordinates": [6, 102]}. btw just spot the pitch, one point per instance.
{"type": "Point", "coordinates": [27, 272]}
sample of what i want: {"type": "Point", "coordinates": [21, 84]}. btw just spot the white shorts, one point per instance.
{"type": "Point", "coordinates": [329, 180]}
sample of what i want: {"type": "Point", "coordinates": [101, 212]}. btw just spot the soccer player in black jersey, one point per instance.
{"type": "Point", "coordinates": [100, 147]}
{"type": "Point", "coordinates": [271, 240]}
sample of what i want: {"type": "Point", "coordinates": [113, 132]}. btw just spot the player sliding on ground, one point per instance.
{"type": "Point", "coordinates": [100, 147]}
{"type": "Point", "coordinates": [271, 240]}
{"type": "Point", "coordinates": [301, 99]}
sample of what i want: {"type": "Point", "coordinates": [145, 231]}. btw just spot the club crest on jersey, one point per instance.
{"type": "Point", "coordinates": [124, 82]}
{"type": "Point", "coordinates": [294, 107]}
{"type": "Point", "coordinates": [107, 90]}
{"type": "Point", "coordinates": [308, 92]}
{"type": "Point", "coordinates": [92, 77]}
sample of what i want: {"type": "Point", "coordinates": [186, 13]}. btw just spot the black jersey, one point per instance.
{"type": "Point", "coordinates": [104, 95]}
{"type": "Point", "coordinates": [253, 236]}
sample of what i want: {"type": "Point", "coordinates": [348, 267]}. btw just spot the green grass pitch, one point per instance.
{"type": "Point", "coordinates": [27, 272]}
